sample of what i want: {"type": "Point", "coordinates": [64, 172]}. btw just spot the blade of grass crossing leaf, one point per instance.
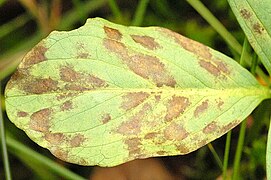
{"type": "Point", "coordinates": [115, 9]}
{"type": "Point", "coordinates": [226, 155]}
{"type": "Point", "coordinates": [241, 139]}
{"type": "Point", "coordinates": [224, 33]}
{"type": "Point", "coordinates": [216, 24]}
{"type": "Point", "coordinates": [245, 49]}
{"type": "Point", "coordinates": [3, 143]}
{"type": "Point", "coordinates": [239, 150]}
{"type": "Point", "coordinates": [140, 12]}
{"type": "Point", "coordinates": [22, 150]}
{"type": "Point", "coordinates": [14, 24]}
{"type": "Point", "coordinates": [83, 15]}
{"type": "Point", "coordinates": [217, 158]}
{"type": "Point", "coordinates": [268, 153]}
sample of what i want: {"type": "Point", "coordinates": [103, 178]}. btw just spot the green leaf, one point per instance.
{"type": "Point", "coordinates": [254, 18]}
{"type": "Point", "coordinates": [105, 94]}
{"type": "Point", "coordinates": [268, 154]}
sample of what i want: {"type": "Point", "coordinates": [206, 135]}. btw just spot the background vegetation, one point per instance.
{"type": "Point", "coordinates": [25, 22]}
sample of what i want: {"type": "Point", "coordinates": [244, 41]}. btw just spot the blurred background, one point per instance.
{"type": "Point", "coordinates": [23, 23]}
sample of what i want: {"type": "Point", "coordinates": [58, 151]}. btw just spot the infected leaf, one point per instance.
{"type": "Point", "coordinates": [254, 18]}
{"type": "Point", "coordinates": [105, 94]}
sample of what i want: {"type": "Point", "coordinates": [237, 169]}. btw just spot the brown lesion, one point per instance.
{"type": "Point", "coordinates": [245, 13]}
{"type": "Point", "coordinates": [77, 140]}
{"type": "Point", "coordinates": [151, 135]}
{"type": "Point", "coordinates": [176, 106]}
{"type": "Point", "coordinates": [258, 28]}
{"type": "Point", "coordinates": [79, 81]}
{"type": "Point", "coordinates": [82, 53]}
{"type": "Point", "coordinates": [146, 66]}
{"type": "Point", "coordinates": [229, 126]}
{"type": "Point", "coordinates": [146, 41]}
{"type": "Point", "coordinates": [188, 44]}
{"type": "Point", "coordinates": [40, 120]}
{"type": "Point", "coordinates": [54, 138]}
{"type": "Point", "coordinates": [175, 132]}
{"type": "Point", "coordinates": [182, 148]}
{"type": "Point", "coordinates": [112, 33]}
{"type": "Point", "coordinates": [210, 128]}
{"type": "Point", "coordinates": [22, 114]}
{"type": "Point", "coordinates": [134, 123]}
{"type": "Point", "coordinates": [106, 118]}
{"type": "Point", "coordinates": [201, 108]}
{"type": "Point", "coordinates": [40, 86]}
{"type": "Point", "coordinates": [68, 74]}
{"type": "Point", "coordinates": [216, 68]}
{"type": "Point", "coordinates": [133, 146]}
{"type": "Point", "coordinates": [66, 106]}
{"type": "Point", "coordinates": [132, 100]}
{"type": "Point", "coordinates": [35, 56]}
{"type": "Point", "coordinates": [60, 153]}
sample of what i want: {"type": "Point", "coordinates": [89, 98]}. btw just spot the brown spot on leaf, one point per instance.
{"type": "Point", "coordinates": [176, 106]}
{"type": "Point", "coordinates": [65, 95]}
{"type": "Point", "coordinates": [182, 148]}
{"type": "Point", "coordinates": [175, 132]}
{"type": "Point", "coordinates": [40, 120]}
{"type": "Point", "coordinates": [35, 56]}
{"type": "Point", "coordinates": [77, 140]}
{"type": "Point", "coordinates": [112, 33]}
{"type": "Point", "coordinates": [117, 47]}
{"type": "Point", "coordinates": [150, 67]}
{"type": "Point", "coordinates": [54, 138]}
{"type": "Point", "coordinates": [40, 86]}
{"type": "Point", "coordinates": [95, 81]}
{"type": "Point", "coordinates": [258, 28]}
{"type": "Point", "coordinates": [216, 68]}
{"type": "Point", "coordinates": [161, 153]}
{"type": "Point", "coordinates": [146, 41]}
{"type": "Point", "coordinates": [130, 127]}
{"type": "Point", "coordinates": [22, 114]}
{"type": "Point", "coordinates": [133, 146]}
{"type": "Point", "coordinates": [229, 126]}
{"type": "Point", "coordinates": [157, 98]}
{"type": "Point", "coordinates": [60, 153]}
{"type": "Point", "coordinates": [150, 135]}
{"type": "Point", "coordinates": [220, 103]}
{"type": "Point", "coordinates": [245, 13]}
{"type": "Point", "coordinates": [131, 100]}
{"type": "Point", "coordinates": [188, 44]}
{"type": "Point", "coordinates": [66, 106]}
{"type": "Point", "coordinates": [106, 118]}
{"type": "Point", "coordinates": [201, 108]}
{"type": "Point", "coordinates": [210, 128]}
{"type": "Point", "coordinates": [83, 55]}
{"type": "Point", "coordinates": [133, 126]}
{"type": "Point", "coordinates": [69, 75]}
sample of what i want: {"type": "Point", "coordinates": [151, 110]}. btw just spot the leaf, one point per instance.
{"type": "Point", "coordinates": [105, 94]}
{"type": "Point", "coordinates": [254, 18]}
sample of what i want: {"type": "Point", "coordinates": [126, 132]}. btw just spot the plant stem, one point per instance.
{"type": "Point", "coordinates": [140, 11]}
{"type": "Point", "coordinates": [239, 149]}
{"type": "Point", "coordinates": [218, 160]}
{"type": "Point", "coordinates": [216, 24]}
{"type": "Point", "coordinates": [226, 155]}
{"type": "Point", "coordinates": [115, 9]}
{"type": "Point", "coordinates": [3, 142]}
{"type": "Point", "coordinates": [22, 150]}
